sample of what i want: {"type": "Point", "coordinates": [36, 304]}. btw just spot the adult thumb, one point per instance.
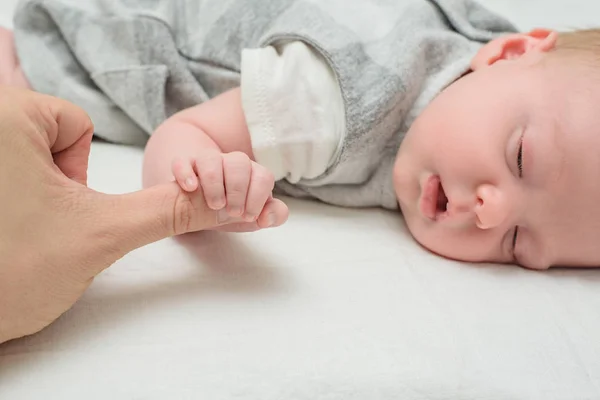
{"type": "Point", "coordinates": [136, 219]}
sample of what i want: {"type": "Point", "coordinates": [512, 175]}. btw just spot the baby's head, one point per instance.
{"type": "Point", "coordinates": [504, 165]}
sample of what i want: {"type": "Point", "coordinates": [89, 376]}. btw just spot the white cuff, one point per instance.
{"type": "Point", "coordinates": [294, 110]}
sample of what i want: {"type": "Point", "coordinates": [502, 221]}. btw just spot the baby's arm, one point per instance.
{"type": "Point", "coordinates": [11, 73]}
{"type": "Point", "coordinates": [209, 146]}
{"type": "Point", "coordinates": [216, 125]}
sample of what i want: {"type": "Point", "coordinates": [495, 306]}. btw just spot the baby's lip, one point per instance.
{"type": "Point", "coordinates": [430, 191]}
{"type": "Point", "coordinates": [434, 203]}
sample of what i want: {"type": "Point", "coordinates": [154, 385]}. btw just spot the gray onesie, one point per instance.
{"type": "Point", "coordinates": [132, 63]}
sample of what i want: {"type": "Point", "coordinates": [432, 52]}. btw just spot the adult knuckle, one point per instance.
{"type": "Point", "coordinates": [183, 214]}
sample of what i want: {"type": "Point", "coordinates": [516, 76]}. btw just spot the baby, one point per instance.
{"type": "Point", "coordinates": [486, 139]}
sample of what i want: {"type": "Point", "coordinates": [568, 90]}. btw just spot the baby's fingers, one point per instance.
{"type": "Point", "coordinates": [260, 190]}
{"type": "Point", "coordinates": [210, 170]}
{"type": "Point", "coordinates": [236, 170]}
{"type": "Point", "coordinates": [184, 175]}
{"type": "Point", "coordinates": [274, 214]}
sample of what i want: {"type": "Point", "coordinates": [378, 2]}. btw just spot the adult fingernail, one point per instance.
{"type": "Point", "coordinates": [223, 216]}
{"type": "Point", "coordinates": [271, 219]}
{"type": "Point", "coordinates": [235, 211]}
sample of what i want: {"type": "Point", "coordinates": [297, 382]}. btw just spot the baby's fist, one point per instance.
{"type": "Point", "coordinates": [231, 182]}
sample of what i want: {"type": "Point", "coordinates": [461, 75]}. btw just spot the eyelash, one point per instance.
{"type": "Point", "coordinates": [520, 167]}
{"type": "Point", "coordinates": [520, 158]}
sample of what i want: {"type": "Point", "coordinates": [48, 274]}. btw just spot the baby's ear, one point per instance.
{"type": "Point", "coordinates": [514, 46]}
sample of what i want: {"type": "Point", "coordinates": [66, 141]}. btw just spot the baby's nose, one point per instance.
{"type": "Point", "coordinates": [491, 209]}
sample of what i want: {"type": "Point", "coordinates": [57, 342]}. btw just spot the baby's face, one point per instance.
{"type": "Point", "coordinates": [504, 166]}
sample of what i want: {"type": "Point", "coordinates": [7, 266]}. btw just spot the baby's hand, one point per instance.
{"type": "Point", "coordinates": [234, 184]}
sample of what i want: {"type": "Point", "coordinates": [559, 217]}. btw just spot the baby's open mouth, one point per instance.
{"type": "Point", "coordinates": [433, 202]}
{"type": "Point", "coordinates": [442, 200]}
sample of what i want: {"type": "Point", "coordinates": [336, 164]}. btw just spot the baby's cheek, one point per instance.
{"type": "Point", "coordinates": [456, 244]}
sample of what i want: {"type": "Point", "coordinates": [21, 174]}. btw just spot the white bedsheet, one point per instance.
{"type": "Point", "coordinates": [358, 311]}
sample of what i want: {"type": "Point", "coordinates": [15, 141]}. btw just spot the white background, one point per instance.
{"type": "Point", "coordinates": [359, 311]}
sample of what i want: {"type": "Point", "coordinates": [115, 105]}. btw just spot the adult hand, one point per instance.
{"type": "Point", "coordinates": [56, 234]}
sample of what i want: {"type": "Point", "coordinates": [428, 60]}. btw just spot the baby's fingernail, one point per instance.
{"type": "Point", "coordinates": [250, 218]}
{"type": "Point", "coordinates": [189, 183]}
{"type": "Point", "coordinates": [217, 203]}
{"type": "Point", "coordinates": [271, 219]}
